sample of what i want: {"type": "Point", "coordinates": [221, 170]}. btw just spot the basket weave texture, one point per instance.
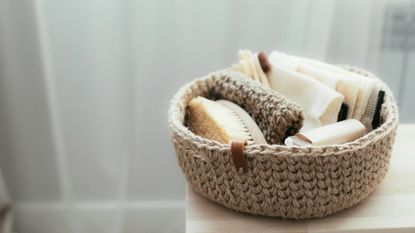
{"type": "Point", "coordinates": [289, 182]}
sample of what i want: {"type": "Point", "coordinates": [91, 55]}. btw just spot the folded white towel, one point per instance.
{"type": "Point", "coordinates": [350, 80]}
{"type": "Point", "coordinates": [320, 103]}
{"type": "Point", "coordinates": [356, 89]}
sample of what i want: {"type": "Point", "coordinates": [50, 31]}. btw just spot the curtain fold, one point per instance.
{"type": "Point", "coordinates": [6, 216]}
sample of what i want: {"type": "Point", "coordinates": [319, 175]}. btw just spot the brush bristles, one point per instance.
{"type": "Point", "coordinates": [216, 122]}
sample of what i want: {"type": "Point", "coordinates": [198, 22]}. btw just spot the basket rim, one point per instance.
{"type": "Point", "coordinates": [177, 111]}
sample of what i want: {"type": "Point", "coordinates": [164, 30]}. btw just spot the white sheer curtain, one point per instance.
{"type": "Point", "coordinates": [85, 87]}
{"type": "Point", "coordinates": [6, 216]}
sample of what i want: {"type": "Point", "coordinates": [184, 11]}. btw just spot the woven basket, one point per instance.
{"type": "Point", "coordinates": [289, 182]}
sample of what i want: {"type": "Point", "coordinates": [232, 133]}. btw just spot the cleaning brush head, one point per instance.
{"type": "Point", "coordinates": [223, 121]}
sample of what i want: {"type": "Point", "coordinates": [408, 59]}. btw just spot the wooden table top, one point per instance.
{"type": "Point", "coordinates": [390, 208]}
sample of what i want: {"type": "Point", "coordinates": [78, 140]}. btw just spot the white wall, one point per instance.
{"type": "Point", "coordinates": [85, 87]}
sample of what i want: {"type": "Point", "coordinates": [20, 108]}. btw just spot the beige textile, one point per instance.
{"type": "Point", "coordinates": [360, 94]}
{"type": "Point", "coordinates": [320, 103]}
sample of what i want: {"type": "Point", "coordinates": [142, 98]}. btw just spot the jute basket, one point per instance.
{"type": "Point", "coordinates": [296, 182]}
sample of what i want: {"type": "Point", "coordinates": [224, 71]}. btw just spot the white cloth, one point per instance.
{"type": "Point", "coordinates": [320, 103]}
{"type": "Point", "coordinates": [355, 88]}
{"type": "Point", "coordinates": [349, 81]}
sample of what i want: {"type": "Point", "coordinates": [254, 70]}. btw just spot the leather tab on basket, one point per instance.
{"type": "Point", "coordinates": [238, 157]}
